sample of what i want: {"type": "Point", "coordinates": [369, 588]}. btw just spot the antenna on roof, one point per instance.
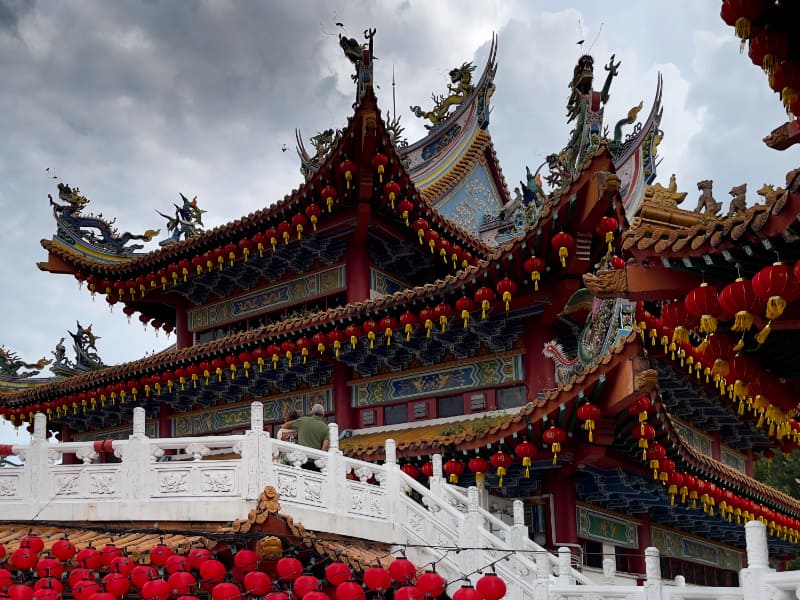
{"type": "Point", "coordinates": [599, 31]}
{"type": "Point", "coordinates": [394, 103]}
{"type": "Point", "coordinates": [580, 32]}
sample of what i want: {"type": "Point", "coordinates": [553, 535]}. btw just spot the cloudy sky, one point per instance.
{"type": "Point", "coordinates": [136, 101]}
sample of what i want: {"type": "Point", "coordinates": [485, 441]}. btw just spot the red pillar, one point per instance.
{"type": "Point", "coordinates": [562, 512]}
{"type": "Point", "coordinates": [184, 337]}
{"type": "Point", "coordinates": [164, 423]}
{"type": "Point", "coordinates": [66, 436]}
{"type": "Point", "coordinates": [357, 257]}
{"type": "Point", "coordinates": [636, 561]}
{"type": "Point", "coordinates": [539, 370]}
{"type": "Point", "coordinates": [344, 414]}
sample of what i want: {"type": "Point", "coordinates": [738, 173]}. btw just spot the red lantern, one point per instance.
{"type": "Point", "coordinates": [564, 243]}
{"type": "Point", "coordinates": [336, 337]}
{"type": "Point", "coordinates": [421, 226]}
{"type": "Point", "coordinates": [501, 461]}
{"type": "Point", "coordinates": [320, 340]}
{"type": "Point", "coordinates": [246, 560]}
{"type": "Point", "coordinates": [606, 229]}
{"type": "Point", "coordinates": [506, 288]}
{"type": "Point", "coordinates": [410, 470]}
{"type": "Point", "coordinates": [197, 556]}
{"type": "Point", "coordinates": [349, 590]}
{"type": "Point", "coordinates": [313, 213]}
{"type": "Point", "coordinates": [431, 584]}
{"type": "Point", "coordinates": [289, 568]}
{"type": "Point", "coordinates": [49, 567]}
{"type": "Point", "coordinates": [212, 571]}
{"type": "Point", "coordinates": [402, 570]}
{"type": "Point", "coordinates": [467, 592]}
{"type": "Point", "coordinates": [491, 587]}
{"type": "Point", "coordinates": [527, 452]}
{"type": "Point", "coordinates": [589, 414]}
{"type": "Point", "coordinates": [305, 584]}
{"type": "Point", "coordinates": [392, 190]}
{"type": "Point", "coordinates": [288, 349]}
{"type": "Point", "coordinates": [389, 324]}
{"type": "Point", "coordinates": [89, 558]}
{"type": "Point", "coordinates": [739, 299]}
{"type": "Point", "coordinates": [426, 316]}
{"type": "Point", "coordinates": [479, 466]}
{"type": "Point", "coordinates": [408, 592]}
{"type": "Point", "coordinates": [432, 237]}
{"type": "Point", "coordinates": [379, 162]}
{"type": "Point", "coordinates": [353, 332]}
{"type": "Point", "coordinates": [304, 346]}
{"type": "Point", "coordinates": [655, 453]}
{"type": "Point", "coordinates": [768, 47]}
{"type": "Point", "coordinates": [702, 302]}
{"type": "Point", "coordinates": [257, 583]}
{"type": "Point", "coordinates": [328, 194]}
{"type": "Point", "coordinates": [181, 583]}
{"type": "Point", "coordinates": [772, 284]}
{"type": "Point", "coordinates": [284, 230]}
{"type": "Point", "coordinates": [177, 563]}
{"type": "Point", "coordinates": [377, 579]}
{"type": "Point", "coordinates": [644, 434]}
{"type": "Point", "coordinates": [370, 327]}
{"type": "Point", "coordinates": [408, 320]}
{"type": "Point", "coordinates": [405, 207]}
{"type": "Point", "coordinates": [555, 436]}
{"type": "Point", "coordinates": [299, 223]}
{"type": "Point", "coordinates": [442, 313]}
{"type": "Point", "coordinates": [348, 168]}
{"type": "Point", "coordinates": [617, 263]}
{"type": "Point", "coordinates": [159, 555]}
{"type": "Point", "coordinates": [337, 573]}
{"type": "Point", "coordinates": [535, 266]}
{"type": "Point", "coordinates": [77, 575]}
{"type": "Point", "coordinates": [484, 296]}
{"type": "Point", "coordinates": [464, 306]}
{"type": "Point", "coordinates": [226, 591]}
{"type": "Point", "coordinates": [117, 584]}
{"type": "Point", "coordinates": [20, 592]}
{"type": "Point", "coordinates": [741, 14]}
{"type": "Point", "coordinates": [453, 468]}
{"type": "Point", "coordinates": [61, 549]}
{"type": "Point", "coordinates": [427, 469]}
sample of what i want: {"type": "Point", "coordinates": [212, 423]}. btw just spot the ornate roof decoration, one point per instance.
{"type": "Point", "coordinates": [91, 234]}
{"type": "Point", "coordinates": [187, 222]}
{"type": "Point", "coordinates": [84, 344]}
{"type": "Point", "coordinates": [12, 366]}
{"type": "Point", "coordinates": [459, 90]}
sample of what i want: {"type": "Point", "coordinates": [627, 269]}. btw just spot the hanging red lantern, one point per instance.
{"type": "Point", "coordinates": [181, 583]}
{"type": "Point", "coordinates": [197, 556]}
{"type": "Point", "coordinates": [289, 568]}
{"type": "Point", "coordinates": [410, 470]}
{"type": "Point", "coordinates": [606, 229]}
{"type": "Point", "coordinates": [109, 552]}
{"type": "Point", "coordinates": [506, 288]}
{"type": "Point", "coordinates": [405, 206]}
{"type": "Point", "coordinates": [177, 563]}
{"type": "Point", "coordinates": [501, 461]}
{"type": "Point", "coordinates": [392, 191]}
{"type": "Point", "coordinates": [667, 467]}
{"type": "Point", "coordinates": [299, 223]}
{"type": "Point", "coordinates": [284, 230]}
{"type": "Point", "coordinates": [313, 212]}
{"type": "Point", "coordinates": [348, 169]}
{"type": "Point", "coordinates": [79, 574]}
{"type": "Point", "coordinates": [740, 14]}
{"type": "Point", "coordinates": [702, 302]}
{"type": "Point", "coordinates": [226, 591]}
{"type": "Point", "coordinates": [260, 241]}
{"type": "Point", "coordinates": [768, 47]}
{"type": "Point", "coordinates": [739, 299]}
{"type": "Point", "coordinates": [304, 347]}
{"type": "Point", "coordinates": [421, 226]}
{"type": "Point", "coordinates": [305, 584]}
{"type": "Point", "coordinates": [379, 162]}
{"type": "Point", "coordinates": [427, 469]}
{"type": "Point", "coordinates": [388, 325]}
{"type": "Point", "coordinates": [589, 413]}
{"type": "Point", "coordinates": [122, 565]}
{"type": "Point", "coordinates": [213, 571]}
{"type": "Point", "coordinates": [402, 570]}
{"type": "Point", "coordinates": [426, 316]}
{"type": "Point", "coordinates": [49, 567]}
{"type": "Point", "coordinates": [257, 583]}
{"type": "Point", "coordinates": [453, 468]}
{"type": "Point", "coordinates": [117, 584]}
{"type": "Point", "coordinates": [370, 327]}
{"type": "Point", "coordinates": [491, 587]}
{"type": "Point", "coordinates": [19, 591]}
{"type": "Point", "coordinates": [61, 549]}
{"type": "Point", "coordinates": [338, 572]}
{"type": "Point", "coordinates": [526, 452]}
{"type": "Point", "coordinates": [479, 466]}
{"type": "Point", "coordinates": [89, 558]}
{"type": "Point", "coordinates": [554, 437]}
{"type": "Point", "coordinates": [274, 352]}
{"type": "Point", "coordinates": [640, 407]}
{"type": "Point", "coordinates": [467, 592]}
{"type": "Point", "coordinates": [772, 284]}
{"type": "Point", "coordinates": [617, 263]}
{"type": "Point", "coordinates": [320, 340]}
{"type": "Point", "coordinates": [644, 434]}
{"type": "Point", "coordinates": [464, 306]}
{"type": "Point", "coordinates": [246, 560]}
{"type": "Point", "coordinates": [349, 590]}
{"type": "Point", "coordinates": [484, 296]}
{"type": "Point", "coordinates": [353, 332]}
{"type": "Point", "coordinates": [564, 243]}
{"type": "Point", "coordinates": [377, 579]}
{"type": "Point", "coordinates": [431, 584]}
{"type": "Point", "coordinates": [443, 313]}
{"type": "Point", "coordinates": [432, 237]}
{"type": "Point", "coordinates": [336, 338]}
{"type": "Point", "coordinates": [328, 195]}
{"type": "Point", "coordinates": [159, 555]}
{"type": "Point", "coordinates": [654, 454]}
{"type": "Point", "coordinates": [408, 592]}
{"type": "Point", "coordinates": [535, 266]}
{"type": "Point", "coordinates": [288, 349]}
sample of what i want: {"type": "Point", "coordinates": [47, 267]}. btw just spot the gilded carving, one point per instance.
{"type": "Point", "coordinates": [611, 283]}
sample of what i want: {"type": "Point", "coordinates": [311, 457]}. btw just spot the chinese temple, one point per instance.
{"type": "Point", "coordinates": [584, 345]}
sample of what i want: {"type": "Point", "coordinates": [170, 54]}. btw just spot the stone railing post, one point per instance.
{"type": "Point", "coordinates": [37, 464]}
{"type": "Point", "coordinates": [609, 571]}
{"type": "Point", "coordinates": [338, 492]}
{"type": "Point", "coordinates": [436, 480]}
{"type": "Point", "coordinates": [652, 568]}
{"type": "Point", "coordinates": [541, 585]}
{"type": "Point", "coordinates": [136, 456]}
{"type": "Point", "coordinates": [256, 455]}
{"type": "Point", "coordinates": [518, 534]}
{"type": "Point", "coordinates": [565, 567]}
{"type": "Point", "coordinates": [755, 535]}
{"type": "Point", "coordinates": [395, 492]}
{"type": "Point", "coordinates": [469, 527]}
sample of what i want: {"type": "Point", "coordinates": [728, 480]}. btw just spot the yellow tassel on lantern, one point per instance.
{"type": "Point", "coordinates": [353, 342]}
{"type": "Point", "coordinates": [610, 239]}
{"type": "Point", "coordinates": [589, 426]}
{"type": "Point", "coordinates": [388, 335]}
{"type": "Point", "coordinates": [762, 335]}
{"type": "Point", "coordinates": [465, 316]}
{"type": "Point", "coordinates": [743, 321]}
{"type": "Point", "coordinates": [428, 327]}
{"type": "Point", "coordinates": [304, 352]}
{"type": "Point", "coordinates": [680, 335]}
{"type": "Point", "coordinates": [273, 242]}
{"type": "Point", "coordinates": [501, 471]}
{"type": "Point", "coordinates": [289, 358]}
{"type": "Point", "coordinates": [507, 299]}
{"type": "Point", "coordinates": [775, 307]}
{"type": "Point", "coordinates": [536, 276]}
{"type": "Point", "coordinates": [371, 338]}
{"type": "Point", "coordinates": [479, 480]}
{"type": "Point", "coordinates": [443, 323]}
{"type": "Point", "coordinates": [275, 359]}
{"type": "Point", "coordinates": [556, 449]}
{"type": "Point", "coordinates": [563, 253]}
{"type": "Point", "coordinates": [453, 478]}
{"type": "Point", "coordinates": [484, 308]}
{"type": "Point", "coordinates": [409, 329]}
{"type": "Point", "coordinates": [708, 324]}
{"type": "Point", "coordinates": [337, 345]}
{"type": "Point", "coordinates": [526, 462]}
{"type": "Point", "coordinates": [654, 466]}
{"type": "Point", "coordinates": [643, 446]}
{"type": "Point", "coordinates": [742, 31]}
{"type": "Point", "coordinates": [672, 490]}
{"type": "Point", "coordinates": [432, 244]}
{"type": "Point", "coordinates": [314, 222]}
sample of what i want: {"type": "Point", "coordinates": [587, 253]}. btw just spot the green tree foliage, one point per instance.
{"type": "Point", "coordinates": [781, 472]}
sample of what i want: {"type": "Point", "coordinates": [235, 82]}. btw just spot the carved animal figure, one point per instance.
{"type": "Point", "coordinates": [187, 222]}
{"type": "Point", "coordinates": [706, 201]}
{"type": "Point", "coordinates": [769, 193]}
{"type": "Point", "coordinates": [10, 364]}
{"type": "Point", "coordinates": [738, 204]}
{"type": "Point", "coordinates": [565, 367]}
{"type": "Point", "coordinates": [70, 218]}
{"type": "Point", "coordinates": [459, 88]}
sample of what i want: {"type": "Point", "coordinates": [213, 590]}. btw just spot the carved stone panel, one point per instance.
{"type": "Point", "coordinates": [173, 482]}
{"type": "Point", "coordinates": [218, 481]}
{"type": "Point", "coordinates": [8, 486]}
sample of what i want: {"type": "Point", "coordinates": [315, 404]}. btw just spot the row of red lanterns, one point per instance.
{"type": "Point", "coordinates": [172, 575]}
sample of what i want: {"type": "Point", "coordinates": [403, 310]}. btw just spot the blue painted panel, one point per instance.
{"type": "Point", "coordinates": [472, 200]}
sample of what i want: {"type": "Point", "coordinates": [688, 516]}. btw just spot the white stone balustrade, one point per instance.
{"type": "Point", "coordinates": [219, 478]}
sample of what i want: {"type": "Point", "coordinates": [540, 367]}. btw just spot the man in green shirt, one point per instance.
{"type": "Point", "coordinates": [311, 431]}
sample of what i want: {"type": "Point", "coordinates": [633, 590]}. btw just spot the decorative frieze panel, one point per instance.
{"type": "Point", "coordinates": [101, 481]}
{"type": "Point", "coordinates": [235, 417]}
{"type": "Point", "coordinates": [483, 373]}
{"type": "Point", "coordinates": [693, 437]}
{"type": "Point", "coordinates": [197, 480]}
{"type": "Point", "coordinates": [381, 284]}
{"type": "Point", "coordinates": [301, 485]}
{"type": "Point", "coordinates": [9, 487]}
{"type": "Point", "coordinates": [610, 529]}
{"type": "Point", "coordinates": [733, 459]}
{"type": "Point", "coordinates": [287, 293]}
{"type": "Point", "coordinates": [367, 500]}
{"type": "Point", "coordinates": [673, 544]}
